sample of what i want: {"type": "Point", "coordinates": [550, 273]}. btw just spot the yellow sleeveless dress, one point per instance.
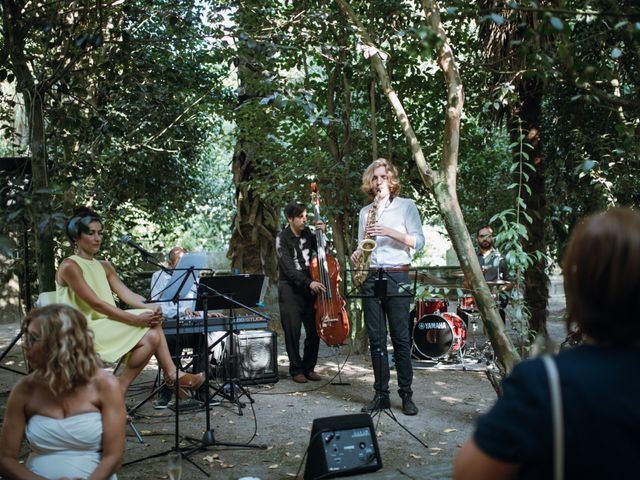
{"type": "Point", "coordinates": [112, 338]}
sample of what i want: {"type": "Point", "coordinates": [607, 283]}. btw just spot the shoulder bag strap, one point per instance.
{"type": "Point", "coordinates": [557, 417]}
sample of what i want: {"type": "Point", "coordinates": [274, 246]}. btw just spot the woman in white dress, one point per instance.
{"type": "Point", "coordinates": [71, 411]}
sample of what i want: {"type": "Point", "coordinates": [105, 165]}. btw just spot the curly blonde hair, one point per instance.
{"type": "Point", "coordinates": [67, 344]}
{"type": "Point", "coordinates": [369, 188]}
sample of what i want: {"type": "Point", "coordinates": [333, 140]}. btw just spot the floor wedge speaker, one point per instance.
{"type": "Point", "coordinates": [341, 446]}
{"type": "Point", "coordinates": [257, 357]}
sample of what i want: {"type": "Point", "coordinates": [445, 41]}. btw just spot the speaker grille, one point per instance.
{"type": "Point", "coordinates": [257, 357]}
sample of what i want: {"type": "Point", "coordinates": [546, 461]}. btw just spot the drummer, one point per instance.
{"type": "Point", "coordinates": [494, 267]}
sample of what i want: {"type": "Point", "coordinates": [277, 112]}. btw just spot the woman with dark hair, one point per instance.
{"type": "Point", "coordinates": [70, 410]}
{"type": "Point", "coordinates": [597, 387]}
{"type": "Point", "coordinates": [89, 284]}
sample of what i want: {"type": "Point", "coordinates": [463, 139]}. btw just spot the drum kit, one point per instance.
{"type": "Point", "coordinates": [440, 335]}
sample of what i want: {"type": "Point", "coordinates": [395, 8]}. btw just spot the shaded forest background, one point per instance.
{"type": "Point", "coordinates": [194, 122]}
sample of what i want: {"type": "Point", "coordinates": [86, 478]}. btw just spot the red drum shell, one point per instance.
{"type": "Point", "coordinates": [467, 302]}
{"type": "Point", "coordinates": [428, 306]}
{"type": "Point", "coordinates": [435, 336]}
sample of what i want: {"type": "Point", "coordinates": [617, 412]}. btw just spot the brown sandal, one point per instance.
{"type": "Point", "coordinates": [188, 380]}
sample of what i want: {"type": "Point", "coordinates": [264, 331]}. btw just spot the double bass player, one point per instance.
{"type": "Point", "coordinates": [297, 290]}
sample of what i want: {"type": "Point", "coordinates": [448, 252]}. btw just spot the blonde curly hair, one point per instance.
{"type": "Point", "coordinates": [67, 345]}
{"type": "Point", "coordinates": [369, 188]}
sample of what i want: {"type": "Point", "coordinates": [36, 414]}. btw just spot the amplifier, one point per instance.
{"type": "Point", "coordinates": [342, 445]}
{"type": "Point", "coordinates": [257, 357]}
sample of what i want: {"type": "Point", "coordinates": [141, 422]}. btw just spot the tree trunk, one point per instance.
{"type": "Point", "coordinates": [41, 205]}
{"type": "Point", "coordinates": [41, 211]}
{"type": "Point", "coordinates": [256, 223]}
{"type": "Point", "coordinates": [252, 245]}
{"type": "Point", "coordinates": [527, 117]}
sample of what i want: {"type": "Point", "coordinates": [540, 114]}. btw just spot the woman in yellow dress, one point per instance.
{"type": "Point", "coordinates": [89, 284]}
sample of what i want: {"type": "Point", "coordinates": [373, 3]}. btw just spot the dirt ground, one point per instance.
{"type": "Point", "coordinates": [449, 397]}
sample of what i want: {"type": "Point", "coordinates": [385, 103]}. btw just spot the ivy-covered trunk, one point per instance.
{"type": "Point", "coordinates": [536, 286]}
{"type": "Point", "coordinates": [256, 223]}
{"type": "Point", "coordinates": [40, 209]}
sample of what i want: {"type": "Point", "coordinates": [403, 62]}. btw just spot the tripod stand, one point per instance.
{"type": "Point", "coordinates": [386, 294]}
{"type": "Point", "coordinates": [180, 281]}
{"type": "Point", "coordinates": [249, 288]}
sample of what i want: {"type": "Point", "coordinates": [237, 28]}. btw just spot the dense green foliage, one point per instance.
{"type": "Point", "coordinates": [166, 115]}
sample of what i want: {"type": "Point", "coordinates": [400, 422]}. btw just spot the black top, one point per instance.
{"type": "Point", "coordinates": [600, 393]}
{"type": "Point", "coordinates": [294, 256]}
{"type": "Point", "coordinates": [494, 266]}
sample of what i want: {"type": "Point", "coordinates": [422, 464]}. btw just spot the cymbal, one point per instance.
{"type": "Point", "coordinates": [427, 277]}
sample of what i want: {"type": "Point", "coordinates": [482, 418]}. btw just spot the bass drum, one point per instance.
{"type": "Point", "coordinates": [435, 336]}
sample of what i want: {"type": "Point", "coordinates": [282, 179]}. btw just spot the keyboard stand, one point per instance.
{"type": "Point", "coordinates": [231, 389]}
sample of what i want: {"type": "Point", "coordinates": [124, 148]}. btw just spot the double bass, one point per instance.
{"type": "Point", "coordinates": [332, 323]}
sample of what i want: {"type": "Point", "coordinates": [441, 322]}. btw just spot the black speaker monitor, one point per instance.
{"type": "Point", "coordinates": [341, 446]}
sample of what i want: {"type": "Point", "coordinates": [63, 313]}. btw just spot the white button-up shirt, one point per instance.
{"type": "Point", "coordinates": [399, 214]}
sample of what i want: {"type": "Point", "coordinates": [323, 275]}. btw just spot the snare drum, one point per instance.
{"type": "Point", "coordinates": [435, 336]}
{"type": "Point", "coordinates": [467, 302]}
{"type": "Point", "coordinates": [428, 306]}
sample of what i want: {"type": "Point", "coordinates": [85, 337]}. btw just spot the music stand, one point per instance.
{"type": "Point", "coordinates": [227, 292]}
{"type": "Point", "coordinates": [179, 287]}
{"type": "Point", "coordinates": [231, 291]}
{"type": "Point", "coordinates": [375, 286]}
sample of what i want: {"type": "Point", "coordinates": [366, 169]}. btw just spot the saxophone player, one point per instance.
{"type": "Point", "coordinates": [397, 230]}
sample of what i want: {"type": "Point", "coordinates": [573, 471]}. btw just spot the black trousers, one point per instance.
{"type": "Point", "coordinates": [296, 311]}
{"type": "Point", "coordinates": [391, 307]}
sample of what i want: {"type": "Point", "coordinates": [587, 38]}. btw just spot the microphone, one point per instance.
{"type": "Point", "coordinates": [126, 239]}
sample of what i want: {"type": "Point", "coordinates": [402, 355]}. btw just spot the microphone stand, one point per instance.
{"type": "Point", "coordinates": [378, 285]}
{"type": "Point", "coordinates": [176, 299]}
{"type": "Point", "coordinates": [206, 294]}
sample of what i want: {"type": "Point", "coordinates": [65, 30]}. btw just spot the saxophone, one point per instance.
{"type": "Point", "coordinates": [366, 247]}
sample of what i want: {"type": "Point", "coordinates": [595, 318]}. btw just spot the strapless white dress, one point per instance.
{"type": "Point", "coordinates": [67, 447]}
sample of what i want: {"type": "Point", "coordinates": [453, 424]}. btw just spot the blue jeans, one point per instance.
{"type": "Point", "coordinates": [391, 306]}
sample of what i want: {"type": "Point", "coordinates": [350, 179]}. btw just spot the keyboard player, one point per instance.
{"type": "Point", "coordinates": [196, 341]}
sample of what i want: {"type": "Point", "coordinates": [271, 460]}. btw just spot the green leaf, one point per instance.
{"type": "Point", "coordinates": [588, 165]}
{"type": "Point", "coordinates": [557, 23]}
{"type": "Point", "coordinates": [616, 53]}
{"type": "Point", "coordinates": [497, 18]}
{"type": "Point", "coordinates": [6, 246]}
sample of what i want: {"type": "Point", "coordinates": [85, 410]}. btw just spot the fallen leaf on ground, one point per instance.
{"type": "Point", "coordinates": [449, 430]}
{"type": "Point", "coordinates": [413, 455]}
{"type": "Point", "coordinates": [451, 400]}
{"type": "Point", "coordinates": [275, 465]}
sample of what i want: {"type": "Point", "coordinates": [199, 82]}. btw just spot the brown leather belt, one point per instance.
{"type": "Point", "coordinates": [398, 268]}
